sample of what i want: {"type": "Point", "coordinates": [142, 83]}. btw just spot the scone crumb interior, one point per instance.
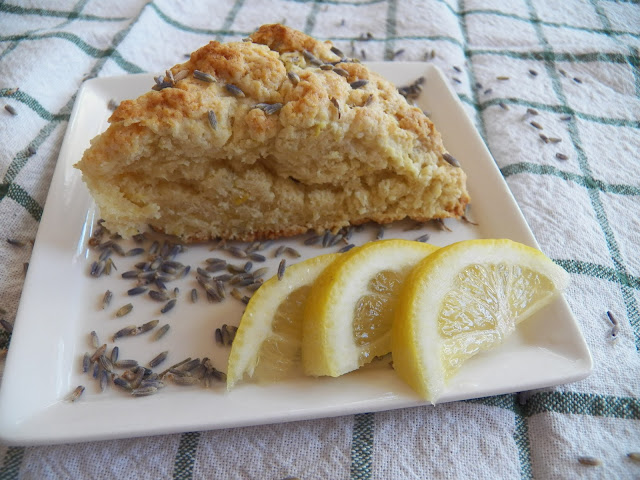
{"type": "Point", "coordinates": [297, 146]}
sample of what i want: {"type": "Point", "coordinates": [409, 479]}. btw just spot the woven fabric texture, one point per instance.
{"type": "Point", "coordinates": [571, 68]}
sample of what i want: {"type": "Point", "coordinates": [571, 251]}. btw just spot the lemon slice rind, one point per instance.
{"type": "Point", "coordinates": [255, 325]}
{"type": "Point", "coordinates": [329, 347]}
{"type": "Point", "coordinates": [416, 342]}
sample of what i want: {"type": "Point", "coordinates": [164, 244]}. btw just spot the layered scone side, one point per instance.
{"type": "Point", "coordinates": [270, 137]}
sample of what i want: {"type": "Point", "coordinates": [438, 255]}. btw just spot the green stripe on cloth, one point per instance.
{"type": "Point", "coordinates": [231, 17]}
{"type": "Point", "coordinates": [391, 26]}
{"type": "Point", "coordinates": [561, 109]}
{"type": "Point", "coordinates": [113, 54]}
{"type": "Point", "coordinates": [521, 439]}
{"type": "Point", "coordinates": [9, 49]}
{"type": "Point", "coordinates": [81, 44]}
{"type": "Point", "coordinates": [362, 446]}
{"type": "Point", "coordinates": [126, 65]}
{"type": "Point", "coordinates": [464, 98]}
{"type": "Point", "coordinates": [445, 4]}
{"type": "Point", "coordinates": [22, 198]}
{"type": "Point", "coordinates": [16, 192]}
{"type": "Point", "coordinates": [86, 48]}
{"type": "Point", "coordinates": [12, 461]}
{"type": "Point", "coordinates": [606, 24]}
{"type": "Point", "coordinates": [513, 16]}
{"type": "Point", "coordinates": [226, 32]}
{"type": "Point", "coordinates": [570, 403]}
{"type": "Point", "coordinates": [582, 180]}
{"type": "Point", "coordinates": [551, 56]}
{"type": "Point", "coordinates": [501, 401]}
{"type": "Point", "coordinates": [594, 195]}
{"type": "Point", "coordinates": [310, 23]}
{"type": "Point", "coordinates": [633, 52]}
{"type": "Point", "coordinates": [575, 403]}
{"type": "Point", "coordinates": [181, 26]}
{"type": "Point", "coordinates": [77, 8]}
{"type": "Point", "coordinates": [521, 428]}
{"type": "Point", "coordinates": [222, 32]}
{"type": "Point", "coordinates": [34, 105]}
{"type": "Point", "coordinates": [462, 20]}
{"type": "Point", "coordinates": [634, 61]}
{"type": "Point", "coordinates": [630, 300]}
{"type": "Point", "coordinates": [599, 271]}
{"type": "Point", "coordinates": [71, 37]}
{"type": "Point", "coordinates": [22, 158]}
{"type": "Point", "coordinates": [385, 39]}
{"type": "Point", "coordinates": [5, 338]}
{"type": "Point", "coordinates": [186, 456]}
{"type": "Point", "coordinates": [71, 15]}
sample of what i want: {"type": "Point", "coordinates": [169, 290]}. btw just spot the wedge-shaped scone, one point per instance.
{"type": "Point", "coordinates": [266, 138]}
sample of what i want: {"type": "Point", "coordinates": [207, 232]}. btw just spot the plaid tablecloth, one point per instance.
{"type": "Point", "coordinates": [573, 65]}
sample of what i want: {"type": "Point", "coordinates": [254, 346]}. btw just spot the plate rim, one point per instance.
{"type": "Point", "coordinates": [11, 435]}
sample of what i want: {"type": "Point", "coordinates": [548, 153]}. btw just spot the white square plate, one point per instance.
{"type": "Point", "coordinates": [61, 304]}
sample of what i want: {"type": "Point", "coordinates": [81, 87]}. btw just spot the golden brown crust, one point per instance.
{"type": "Point", "coordinates": [201, 161]}
{"type": "Point", "coordinates": [283, 39]}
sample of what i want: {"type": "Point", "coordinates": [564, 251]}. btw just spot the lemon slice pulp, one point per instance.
{"type": "Point", "coordinates": [268, 341]}
{"type": "Point", "coordinates": [350, 308]}
{"type": "Point", "coordinates": [463, 299]}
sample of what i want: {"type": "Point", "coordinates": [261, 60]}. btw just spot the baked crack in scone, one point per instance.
{"type": "Point", "coordinates": [269, 137]}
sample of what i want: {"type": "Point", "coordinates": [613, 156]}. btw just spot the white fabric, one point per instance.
{"type": "Point", "coordinates": [594, 232]}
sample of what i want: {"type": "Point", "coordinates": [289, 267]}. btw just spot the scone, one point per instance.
{"type": "Point", "coordinates": [269, 137]}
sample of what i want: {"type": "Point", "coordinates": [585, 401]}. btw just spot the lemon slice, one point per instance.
{"type": "Point", "coordinates": [268, 341]}
{"type": "Point", "coordinates": [463, 299]}
{"type": "Point", "coordinates": [350, 308]}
